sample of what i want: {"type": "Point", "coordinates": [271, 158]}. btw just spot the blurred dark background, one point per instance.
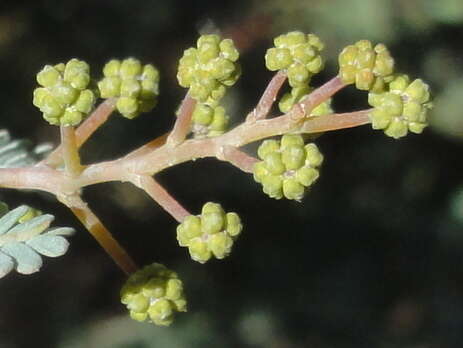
{"type": "Point", "coordinates": [373, 256]}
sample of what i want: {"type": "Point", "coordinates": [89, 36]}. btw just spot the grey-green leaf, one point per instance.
{"type": "Point", "coordinates": [4, 137]}
{"type": "Point", "coordinates": [3, 208]}
{"type": "Point", "coordinates": [19, 152]}
{"type": "Point", "coordinates": [27, 260]}
{"type": "Point", "coordinates": [23, 238]}
{"type": "Point", "coordinates": [61, 231]}
{"type": "Point", "coordinates": [43, 149]}
{"type": "Point", "coordinates": [9, 219]}
{"type": "Point", "coordinates": [6, 264]}
{"type": "Point", "coordinates": [49, 245]}
{"type": "Point", "coordinates": [31, 228]}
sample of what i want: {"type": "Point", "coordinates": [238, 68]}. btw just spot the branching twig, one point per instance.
{"type": "Point", "coordinates": [166, 151]}
{"type": "Point", "coordinates": [333, 122]}
{"type": "Point", "coordinates": [161, 196]}
{"type": "Point", "coordinates": [98, 117]}
{"type": "Point", "coordinates": [69, 151]}
{"type": "Point", "coordinates": [316, 97]}
{"type": "Point", "coordinates": [268, 97]}
{"type": "Point", "coordinates": [102, 235]}
{"type": "Point", "coordinates": [183, 121]}
{"type": "Point", "coordinates": [151, 162]}
{"type": "Point", "coordinates": [149, 146]}
{"type": "Point", "coordinates": [238, 158]}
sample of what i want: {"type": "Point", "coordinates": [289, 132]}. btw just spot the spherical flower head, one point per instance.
{"type": "Point", "coordinates": [297, 53]}
{"type": "Point", "coordinates": [154, 293]}
{"type": "Point", "coordinates": [288, 100]}
{"type": "Point", "coordinates": [135, 85]}
{"type": "Point", "coordinates": [63, 97]}
{"type": "Point", "coordinates": [288, 167]}
{"type": "Point", "coordinates": [367, 66]}
{"type": "Point", "coordinates": [208, 121]}
{"type": "Point", "coordinates": [209, 68]}
{"type": "Point", "coordinates": [210, 234]}
{"type": "Point", "coordinates": [402, 108]}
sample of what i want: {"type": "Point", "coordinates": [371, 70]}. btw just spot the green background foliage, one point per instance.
{"type": "Point", "coordinates": [370, 258]}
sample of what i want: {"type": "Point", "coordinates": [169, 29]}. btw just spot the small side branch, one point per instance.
{"type": "Point", "coordinates": [183, 121]}
{"type": "Point", "coordinates": [150, 146]}
{"type": "Point", "coordinates": [161, 196]}
{"type": "Point", "coordinates": [69, 151]}
{"type": "Point", "coordinates": [316, 97]}
{"type": "Point", "coordinates": [335, 121]}
{"type": "Point", "coordinates": [95, 120]}
{"type": "Point", "coordinates": [238, 158]}
{"type": "Point", "coordinates": [98, 117]}
{"type": "Point", "coordinates": [102, 236]}
{"type": "Point", "coordinates": [268, 98]}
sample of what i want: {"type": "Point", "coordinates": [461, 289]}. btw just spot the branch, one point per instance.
{"type": "Point", "coordinates": [139, 165]}
{"type": "Point", "coordinates": [316, 97]}
{"type": "Point", "coordinates": [98, 117]}
{"type": "Point", "coordinates": [238, 158]}
{"type": "Point", "coordinates": [33, 178]}
{"type": "Point", "coordinates": [69, 151]}
{"type": "Point", "coordinates": [167, 156]}
{"type": "Point", "coordinates": [161, 196]}
{"type": "Point", "coordinates": [146, 161]}
{"type": "Point", "coordinates": [101, 234]}
{"type": "Point", "coordinates": [333, 122]}
{"type": "Point", "coordinates": [183, 121]}
{"type": "Point", "coordinates": [268, 98]}
{"type": "Point", "coordinates": [150, 146]}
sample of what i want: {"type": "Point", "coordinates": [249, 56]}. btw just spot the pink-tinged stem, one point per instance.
{"type": "Point", "coordinates": [268, 98]}
{"type": "Point", "coordinates": [316, 97]}
{"type": "Point", "coordinates": [151, 162]}
{"type": "Point", "coordinates": [161, 196]}
{"type": "Point", "coordinates": [69, 151]}
{"type": "Point", "coordinates": [32, 178]}
{"type": "Point", "coordinates": [183, 121]}
{"type": "Point", "coordinates": [335, 121]}
{"type": "Point", "coordinates": [95, 120]}
{"type": "Point", "coordinates": [238, 158]}
{"type": "Point", "coordinates": [98, 117]}
{"type": "Point", "coordinates": [150, 146]}
{"type": "Point", "coordinates": [168, 156]}
{"type": "Point", "coordinates": [103, 236]}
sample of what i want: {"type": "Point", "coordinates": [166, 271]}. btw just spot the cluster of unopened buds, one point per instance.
{"type": "Point", "coordinates": [210, 234]}
{"type": "Point", "coordinates": [287, 162]}
{"type": "Point", "coordinates": [64, 96]}
{"type": "Point", "coordinates": [207, 71]}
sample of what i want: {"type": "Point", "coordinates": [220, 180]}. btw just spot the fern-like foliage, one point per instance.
{"type": "Point", "coordinates": [19, 152]}
{"type": "Point", "coordinates": [24, 238]}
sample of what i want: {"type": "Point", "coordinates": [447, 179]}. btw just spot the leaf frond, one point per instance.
{"type": "Point", "coordinates": [26, 236]}
{"type": "Point", "coordinates": [20, 152]}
